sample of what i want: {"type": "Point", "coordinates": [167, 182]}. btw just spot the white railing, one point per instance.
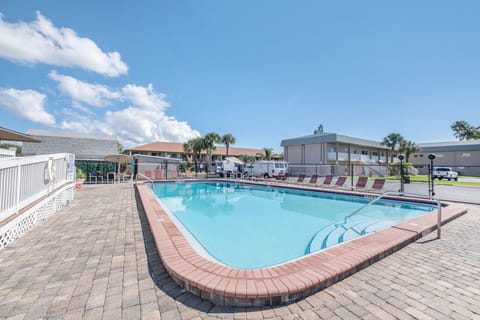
{"type": "Point", "coordinates": [26, 179]}
{"type": "Point", "coordinates": [7, 153]}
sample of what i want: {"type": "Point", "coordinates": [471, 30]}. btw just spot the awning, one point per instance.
{"type": "Point", "coordinates": [118, 158]}
{"type": "Point", "coordinates": [234, 160]}
{"type": "Point", "coordinates": [10, 135]}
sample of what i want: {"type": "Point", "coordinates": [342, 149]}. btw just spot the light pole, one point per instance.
{"type": "Point", "coordinates": [401, 157]}
{"type": "Point", "coordinates": [431, 156]}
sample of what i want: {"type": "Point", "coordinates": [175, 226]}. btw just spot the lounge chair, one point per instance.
{"type": "Point", "coordinates": [301, 177]}
{"type": "Point", "coordinates": [148, 174]}
{"type": "Point", "coordinates": [284, 177]}
{"type": "Point", "coordinates": [173, 175]}
{"type": "Point", "coordinates": [361, 182]}
{"type": "Point", "coordinates": [340, 182]}
{"type": "Point", "coordinates": [313, 179]}
{"type": "Point", "coordinates": [188, 174]}
{"type": "Point", "coordinates": [158, 174]}
{"type": "Point", "coordinates": [378, 184]}
{"type": "Point", "coordinates": [328, 179]}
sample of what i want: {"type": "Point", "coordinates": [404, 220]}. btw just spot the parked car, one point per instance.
{"type": "Point", "coordinates": [444, 172]}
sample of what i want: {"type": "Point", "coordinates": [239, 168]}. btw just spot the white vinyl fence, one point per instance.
{"type": "Point", "coordinates": [24, 180]}
{"type": "Point", "coordinates": [7, 153]}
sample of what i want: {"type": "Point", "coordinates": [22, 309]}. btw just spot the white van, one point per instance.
{"type": "Point", "coordinates": [267, 169]}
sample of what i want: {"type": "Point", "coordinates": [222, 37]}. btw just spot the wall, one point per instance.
{"type": "Point", "coordinates": [82, 148]}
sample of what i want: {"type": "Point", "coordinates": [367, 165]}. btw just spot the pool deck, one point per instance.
{"type": "Point", "coordinates": [97, 260]}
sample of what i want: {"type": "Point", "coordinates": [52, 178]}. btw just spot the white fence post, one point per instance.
{"type": "Point", "coordinates": [17, 201]}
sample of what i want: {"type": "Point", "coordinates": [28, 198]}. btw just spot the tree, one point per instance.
{"type": "Point", "coordinates": [391, 141]}
{"type": "Point", "coordinates": [18, 148]}
{"type": "Point", "coordinates": [268, 153]}
{"type": "Point", "coordinates": [194, 146]}
{"type": "Point", "coordinates": [209, 141]}
{"type": "Point", "coordinates": [408, 147]}
{"type": "Point", "coordinates": [464, 131]}
{"type": "Point", "coordinates": [120, 148]}
{"type": "Point", "coordinates": [228, 139]}
{"type": "Point", "coordinates": [188, 150]}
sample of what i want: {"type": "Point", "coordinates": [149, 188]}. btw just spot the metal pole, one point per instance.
{"type": "Point", "coordinates": [402, 187]}
{"type": "Point", "coordinates": [431, 176]}
{"type": "Point", "coordinates": [439, 220]}
{"type": "Point", "coordinates": [351, 176]}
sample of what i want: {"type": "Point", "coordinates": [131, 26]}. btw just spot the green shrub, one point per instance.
{"type": "Point", "coordinates": [80, 173]}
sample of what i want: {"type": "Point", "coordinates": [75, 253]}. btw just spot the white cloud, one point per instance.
{"type": "Point", "coordinates": [143, 121]}
{"type": "Point", "coordinates": [145, 98]}
{"type": "Point", "coordinates": [135, 126]}
{"type": "Point", "coordinates": [41, 42]}
{"type": "Point", "coordinates": [79, 106]}
{"type": "Point", "coordinates": [93, 94]}
{"type": "Point", "coordinates": [28, 104]}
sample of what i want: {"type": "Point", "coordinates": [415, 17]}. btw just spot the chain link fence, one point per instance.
{"type": "Point", "coordinates": [397, 177]}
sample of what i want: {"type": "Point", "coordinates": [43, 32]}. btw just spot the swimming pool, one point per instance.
{"type": "Point", "coordinates": [250, 226]}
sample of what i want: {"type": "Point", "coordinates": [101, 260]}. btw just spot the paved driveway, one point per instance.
{"type": "Point", "coordinates": [96, 260]}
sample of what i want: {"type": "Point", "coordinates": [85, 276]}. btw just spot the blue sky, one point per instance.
{"type": "Point", "coordinates": [260, 70]}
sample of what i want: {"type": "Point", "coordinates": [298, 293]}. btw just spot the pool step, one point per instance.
{"type": "Point", "coordinates": [337, 233]}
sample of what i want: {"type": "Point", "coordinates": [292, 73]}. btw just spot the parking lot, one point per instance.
{"type": "Point", "coordinates": [443, 192]}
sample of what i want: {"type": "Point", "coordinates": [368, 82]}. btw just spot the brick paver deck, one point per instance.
{"type": "Point", "coordinates": [96, 260]}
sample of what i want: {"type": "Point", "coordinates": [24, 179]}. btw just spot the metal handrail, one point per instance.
{"type": "Point", "coordinates": [398, 193]}
{"type": "Point", "coordinates": [147, 178]}
{"type": "Point", "coordinates": [337, 225]}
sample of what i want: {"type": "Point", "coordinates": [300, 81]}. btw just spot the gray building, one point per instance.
{"type": "Point", "coordinates": [333, 148]}
{"type": "Point", "coordinates": [89, 149]}
{"type": "Point", "coordinates": [462, 156]}
{"type": "Point", "coordinates": [85, 146]}
{"type": "Point", "coordinates": [331, 153]}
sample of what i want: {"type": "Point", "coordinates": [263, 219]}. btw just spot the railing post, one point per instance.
{"type": "Point", "coordinates": [439, 220]}
{"type": "Point", "coordinates": [351, 175]}
{"type": "Point", "coordinates": [17, 201]}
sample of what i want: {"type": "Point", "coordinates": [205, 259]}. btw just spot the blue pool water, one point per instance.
{"type": "Point", "coordinates": [252, 226]}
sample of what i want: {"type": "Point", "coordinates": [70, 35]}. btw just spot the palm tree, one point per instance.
{"type": "Point", "coordinates": [194, 146]}
{"type": "Point", "coordinates": [391, 141]}
{"type": "Point", "coordinates": [228, 139]}
{"type": "Point", "coordinates": [188, 150]}
{"type": "Point", "coordinates": [408, 147]}
{"type": "Point", "coordinates": [209, 141]}
{"type": "Point", "coordinates": [268, 153]}
{"type": "Point", "coordinates": [120, 148]}
{"type": "Point", "coordinates": [464, 131]}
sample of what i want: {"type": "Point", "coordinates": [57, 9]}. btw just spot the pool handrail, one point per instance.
{"type": "Point", "coordinates": [399, 193]}
{"type": "Point", "coordinates": [147, 178]}
{"type": "Point", "coordinates": [342, 224]}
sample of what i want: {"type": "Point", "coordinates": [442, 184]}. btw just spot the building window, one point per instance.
{"type": "Point", "coordinates": [415, 155]}
{"type": "Point", "coordinates": [466, 155]}
{"type": "Point", "coordinates": [439, 155]}
{"type": "Point", "coordinates": [374, 153]}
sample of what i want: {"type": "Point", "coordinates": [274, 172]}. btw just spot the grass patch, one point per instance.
{"type": "Point", "coordinates": [424, 178]}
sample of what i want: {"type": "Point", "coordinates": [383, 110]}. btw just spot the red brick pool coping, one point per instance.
{"type": "Point", "coordinates": [284, 283]}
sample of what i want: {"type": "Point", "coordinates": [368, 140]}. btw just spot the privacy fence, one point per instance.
{"type": "Point", "coordinates": [32, 188]}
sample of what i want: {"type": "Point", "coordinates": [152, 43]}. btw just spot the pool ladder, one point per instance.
{"type": "Point", "coordinates": [363, 232]}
